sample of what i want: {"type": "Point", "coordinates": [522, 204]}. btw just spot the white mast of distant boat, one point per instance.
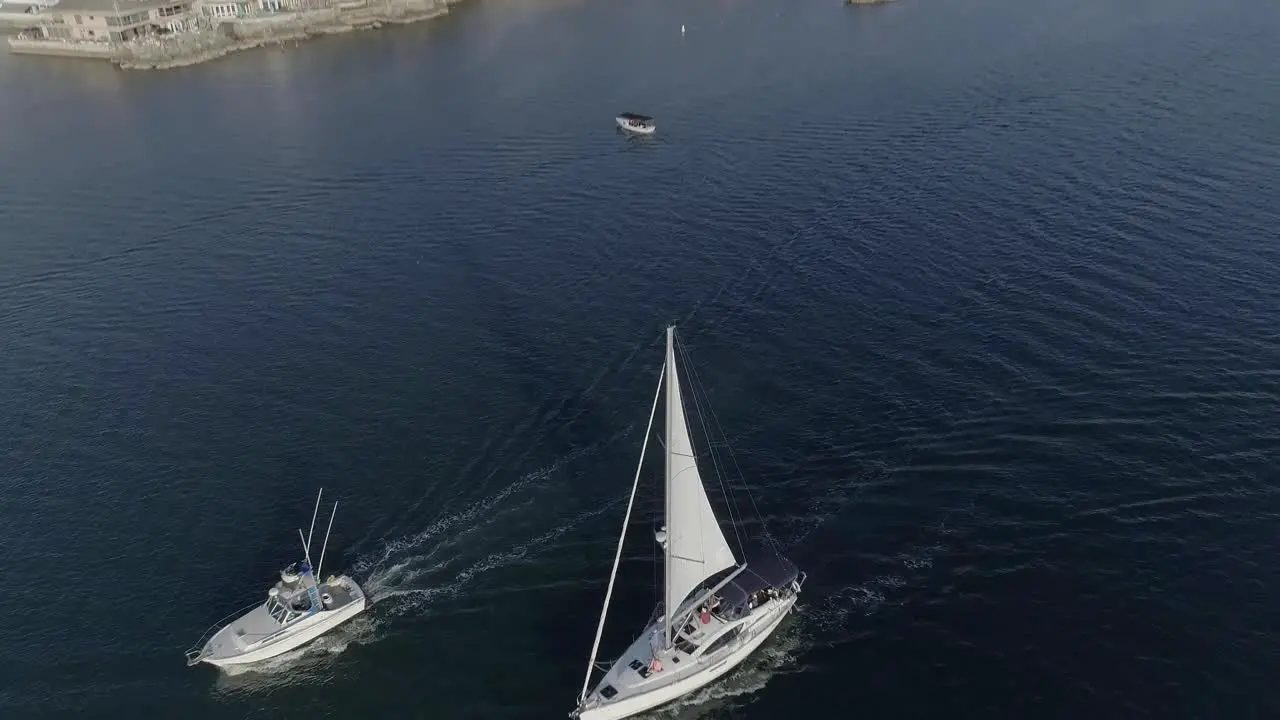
{"type": "Point", "coordinates": [325, 546]}
{"type": "Point", "coordinates": [306, 542]}
{"type": "Point", "coordinates": [313, 590]}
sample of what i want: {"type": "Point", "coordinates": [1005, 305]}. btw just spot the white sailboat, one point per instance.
{"type": "Point", "coordinates": [298, 609]}
{"type": "Point", "coordinates": [721, 609]}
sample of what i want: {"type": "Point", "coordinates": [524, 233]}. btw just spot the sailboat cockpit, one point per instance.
{"type": "Point", "coordinates": [768, 576]}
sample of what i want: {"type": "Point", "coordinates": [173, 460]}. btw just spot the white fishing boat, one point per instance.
{"type": "Point", "coordinates": [631, 122]}
{"type": "Point", "coordinates": [298, 609]}
{"type": "Point", "coordinates": [721, 609]}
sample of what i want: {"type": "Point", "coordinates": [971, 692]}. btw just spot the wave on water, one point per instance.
{"type": "Point", "coordinates": [409, 573]}
{"type": "Point", "coordinates": [408, 593]}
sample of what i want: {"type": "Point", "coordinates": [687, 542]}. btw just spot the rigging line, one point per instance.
{"type": "Point", "coordinates": [733, 521]}
{"type": "Point", "coordinates": [657, 509]}
{"type": "Point", "coordinates": [653, 533]}
{"type": "Point", "coordinates": [736, 518]}
{"type": "Point", "coordinates": [676, 353]}
{"type": "Point", "coordinates": [731, 503]}
{"type": "Point", "coordinates": [722, 475]}
{"type": "Point", "coordinates": [697, 386]}
{"type": "Point", "coordinates": [653, 558]}
{"type": "Point", "coordinates": [733, 456]}
{"type": "Point", "coordinates": [622, 536]}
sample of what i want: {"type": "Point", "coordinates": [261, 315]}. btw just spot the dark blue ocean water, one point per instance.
{"type": "Point", "coordinates": [985, 294]}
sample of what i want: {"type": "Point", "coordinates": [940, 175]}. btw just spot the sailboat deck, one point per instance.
{"type": "Point", "coordinates": [634, 672]}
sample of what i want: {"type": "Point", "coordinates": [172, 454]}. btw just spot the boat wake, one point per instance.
{"type": "Point", "coordinates": [413, 572]}
{"type": "Point", "coordinates": [404, 589]}
{"type": "Point", "coordinates": [405, 559]}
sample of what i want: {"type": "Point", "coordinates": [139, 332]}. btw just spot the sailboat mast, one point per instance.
{"type": "Point", "coordinates": [668, 603]}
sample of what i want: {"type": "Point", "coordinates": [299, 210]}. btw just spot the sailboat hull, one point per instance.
{"type": "Point", "coordinates": [765, 623]}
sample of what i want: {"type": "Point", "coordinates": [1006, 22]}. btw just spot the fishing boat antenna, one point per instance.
{"type": "Point", "coordinates": [306, 544]}
{"type": "Point", "coordinates": [325, 546]}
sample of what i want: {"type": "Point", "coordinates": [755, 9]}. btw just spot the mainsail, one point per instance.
{"type": "Point", "coordinates": [696, 548]}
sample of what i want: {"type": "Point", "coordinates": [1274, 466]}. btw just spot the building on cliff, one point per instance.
{"type": "Point", "coordinates": [18, 14]}
{"type": "Point", "coordinates": [172, 33]}
{"type": "Point", "coordinates": [107, 21]}
{"type": "Point", "coordinates": [104, 28]}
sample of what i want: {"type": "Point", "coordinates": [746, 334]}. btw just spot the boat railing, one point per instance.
{"type": "Point", "coordinates": [196, 653]}
{"type": "Point", "coordinates": [653, 617]}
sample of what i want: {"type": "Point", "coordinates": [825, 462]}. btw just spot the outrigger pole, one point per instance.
{"type": "Point", "coordinates": [306, 543]}
{"type": "Point", "coordinates": [326, 541]}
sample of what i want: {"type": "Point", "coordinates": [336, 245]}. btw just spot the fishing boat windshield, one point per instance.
{"type": "Point", "coordinates": [287, 610]}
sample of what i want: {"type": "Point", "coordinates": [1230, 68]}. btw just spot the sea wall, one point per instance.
{"type": "Point", "coordinates": [11, 22]}
{"type": "Point", "coordinates": [60, 48]}
{"type": "Point", "coordinates": [214, 38]}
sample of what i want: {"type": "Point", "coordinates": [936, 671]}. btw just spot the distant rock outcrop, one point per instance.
{"type": "Point", "coordinates": [867, 2]}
